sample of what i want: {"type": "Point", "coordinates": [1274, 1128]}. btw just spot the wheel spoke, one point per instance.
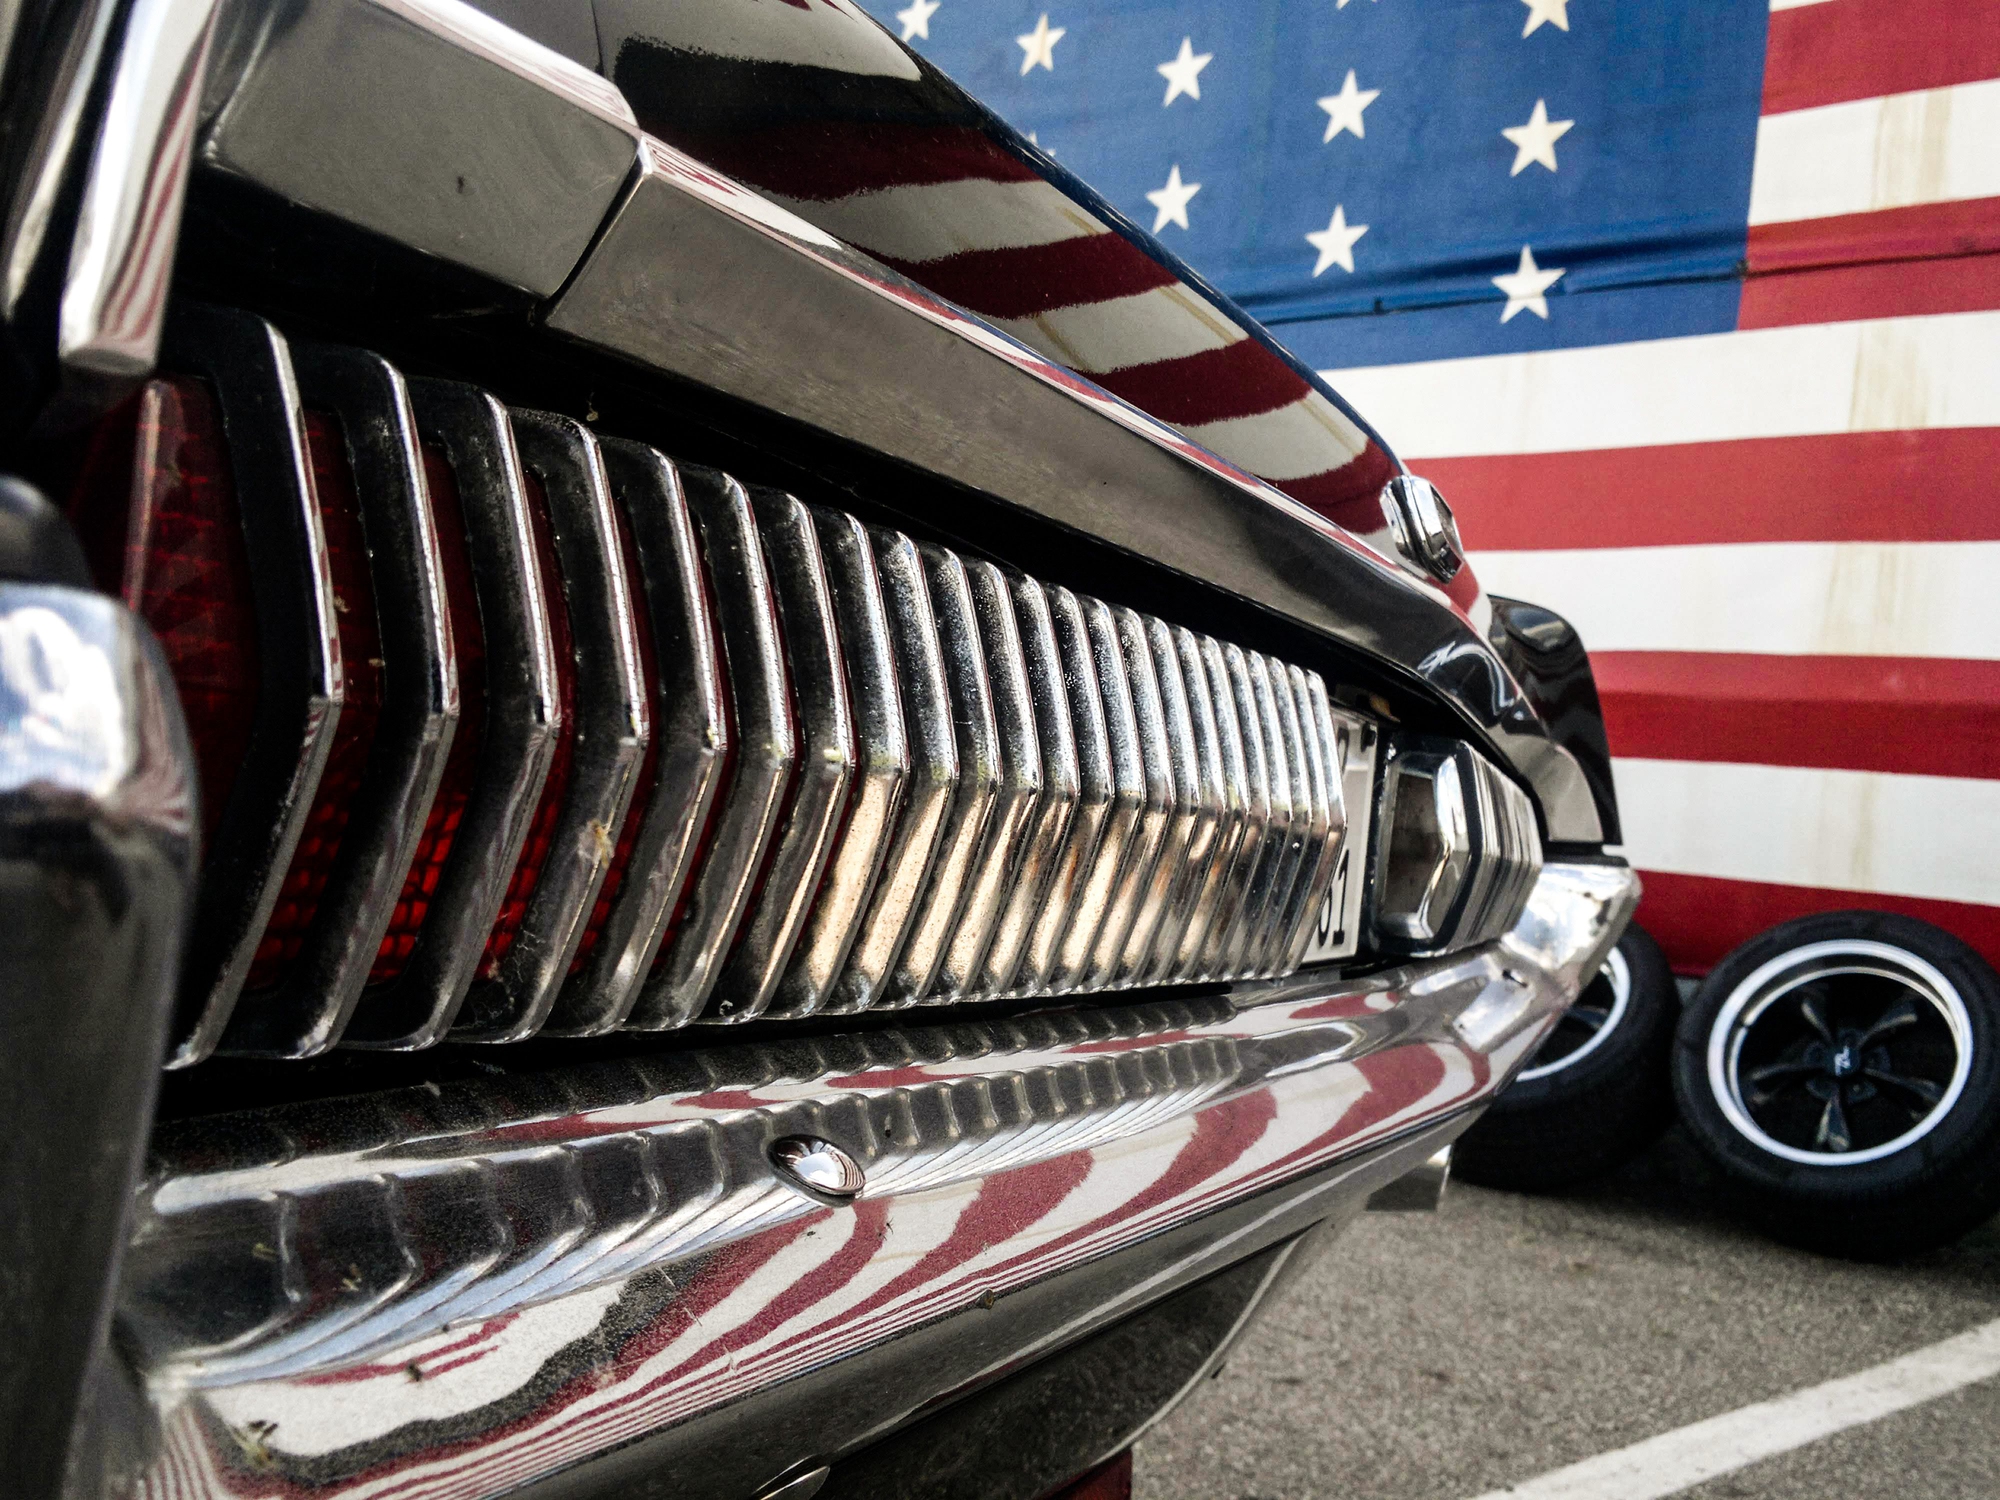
{"type": "Point", "coordinates": [1811, 1006]}
{"type": "Point", "coordinates": [1833, 1134]}
{"type": "Point", "coordinates": [1923, 1088]}
{"type": "Point", "coordinates": [1780, 1070]}
{"type": "Point", "coordinates": [1590, 1017]}
{"type": "Point", "coordinates": [1902, 1013]}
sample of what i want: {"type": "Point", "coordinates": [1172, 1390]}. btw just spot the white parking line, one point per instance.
{"type": "Point", "coordinates": [1674, 1461]}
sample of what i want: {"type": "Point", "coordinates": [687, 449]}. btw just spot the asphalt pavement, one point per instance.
{"type": "Point", "coordinates": [1446, 1356]}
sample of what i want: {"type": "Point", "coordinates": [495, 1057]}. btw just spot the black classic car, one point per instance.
{"type": "Point", "coordinates": [708, 789]}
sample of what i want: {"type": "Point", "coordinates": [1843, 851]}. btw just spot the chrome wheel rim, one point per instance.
{"type": "Point", "coordinates": [1839, 1053]}
{"type": "Point", "coordinates": [1586, 1025]}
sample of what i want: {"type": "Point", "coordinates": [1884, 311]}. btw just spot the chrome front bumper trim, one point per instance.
{"type": "Point", "coordinates": [346, 1294]}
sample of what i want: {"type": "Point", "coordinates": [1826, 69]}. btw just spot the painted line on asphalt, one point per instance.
{"type": "Point", "coordinates": [1674, 1461]}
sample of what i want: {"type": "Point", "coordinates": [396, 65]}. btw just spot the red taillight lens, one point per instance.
{"type": "Point", "coordinates": [156, 505]}
{"type": "Point", "coordinates": [635, 812]}
{"type": "Point", "coordinates": [462, 765]}
{"type": "Point", "coordinates": [541, 832]}
{"type": "Point", "coordinates": [361, 666]}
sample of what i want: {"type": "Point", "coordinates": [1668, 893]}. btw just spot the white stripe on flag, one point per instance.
{"type": "Point", "coordinates": [931, 220]}
{"type": "Point", "coordinates": [1304, 437]}
{"type": "Point", "coordinates": [1893, 151]}
{"type": "Point", "coordinates": [1794, 4]}
{"type": "Point", "coordinates": [1169, 322]}
{"type": "Point", "coordinates": [1874, 832]}
{"type": "Point", "coordinates": [1783, 598]}
{"type": "Point", "coordinates": [1880, 375]}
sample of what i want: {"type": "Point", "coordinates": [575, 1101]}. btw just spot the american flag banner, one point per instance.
{"type": "Point", "coordinates": [1692, 311]}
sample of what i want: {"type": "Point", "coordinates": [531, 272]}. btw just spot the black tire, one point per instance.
{"type": "Point", "coordinates": [1842, 1072]}
{"type": "Point", "coordinates": [1596, 1094]}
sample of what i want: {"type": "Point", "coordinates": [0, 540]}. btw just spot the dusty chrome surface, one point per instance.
{"type": "Point", "coordinates": [766, 753]}
{"type": "Point", "coordinates": [309, 1008]}
{"type": "Point", "coordinates": [521, 718]}
{"type": "Point", "coordinates": [114, 299]}
{"type": "Point", "coordinates": [574, 1259]}
{"type": "Point", "coordinates": [423, 120]}
{"type": "Point", "coordinates": [609, 725]}
{"type": "Point", "coordinates": [690, 740]}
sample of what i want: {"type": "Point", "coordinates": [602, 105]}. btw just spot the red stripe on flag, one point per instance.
{"type": "Point", "coordinates": [1857, 49]}
{"type": "Point", "coordinates": [1970, 226]}
{"type": "Point", "coordinates": [1883, 289]}
{"type": "Point", "coordinates": [1237, 380]}
{"type": "Point", "coordinates": [1698, 919]}
{"type": "Point", "coordinates": [1918, 716]}
{"type": "Point", "coordinates": [1931, 485]}
{"type": "Point", "coordinates": [1033, 279]}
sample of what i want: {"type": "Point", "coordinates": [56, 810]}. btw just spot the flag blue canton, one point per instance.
{"type": "Point", "coordinates": [1613, 143]}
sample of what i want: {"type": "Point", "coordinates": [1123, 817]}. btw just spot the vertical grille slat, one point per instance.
{"type": "Point", "coordinates": [690, 740]}
{"type": "Point", "coordinates": [519, 720]}
{"type": "Point", "coordinates": [1108, 685]}
{"type": "Point", "coordinates": [933, 747]}
{"type": "Point", "coordinates": [825, 754]}
{"type": "Point", "coordinates": [248, 365]}
{"type": "Point", "coordinates": [609, 729]}
{"type": "Point", "coordinates": [1042, 846]}
{"type": "Point", "coordinates": [766, 749]}
{"type": "Point", "coordinates": [645, 747]}
{"type": "Point", "coordinates": [977, 790]}
{"type": "Point", "coordinates": [308, 1009]}
{"type": "Point", "coordinates": [1020, 787]}
{"type": "Point", "coordinates": [881, 769]}
{"type": "Point", "coordinates": [1096, 793]}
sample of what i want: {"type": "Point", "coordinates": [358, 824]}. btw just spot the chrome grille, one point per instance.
{"type": "Point", "coordinates": [788, 763]}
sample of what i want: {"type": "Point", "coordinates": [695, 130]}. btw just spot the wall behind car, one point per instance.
{"type": "Point", "coordinates": [1693, 312]}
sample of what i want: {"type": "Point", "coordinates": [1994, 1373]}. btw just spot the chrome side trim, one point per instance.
{"type": "Point", "coordinates": [1020, 782]}
{"type": "Point", "coordinates": [826, 757]}
{"type": "Point", "coordinates": [678, 279]}
{"type": "Point", "coordinates": [627, 1248]}
{"type": "Point", "coordinates": [114, 299]}
{"type": "Point", "coordinates": [249, 365]}
{"type": "Point", "coordinates": [766, 744]}
{"type": "Point", "coordinates": [927, 720]}
{"type": "Point", "coordinates": [426, 121]}
{"type": "Point", "coordinates": [882, 767]}
{"type": "Point", "coordinates": [690, 718]}
{"type": "Point", "coordinates": [1057, 921]}
{"type": "Point", "coordinates": [310, 1007]}
{"type": "Point", "coordinates": [1043, 844]}
{"type": "Point", "coordinates": [610, 727]}
{"type": "Point", "coordinates": [519, 719]}
{"type": "Point", "coordinates": [976, 793]}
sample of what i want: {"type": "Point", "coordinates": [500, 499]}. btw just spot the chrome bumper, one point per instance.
{"type": "Point", "coordinates": [462, 1290]}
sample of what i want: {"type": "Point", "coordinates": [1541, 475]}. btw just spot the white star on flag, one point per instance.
{"type": "Point", "coordinates": [1171, 201]}
{"type": "Point", "coordinates": [1040, 45]}
{"type": "Point", "coordinates": [1183, 73]}
{"type": "Point", "coordinates": [1555, 12]}
{"type": "Point", "coordinates": [1335, 243]}
{"type": "Point", "coordinates": [917, 18]}
{"type": "Point", "coordinates": [1343, 110]}
{"type": "Point", "coordinates": [1536, 140]}
{"type": "Point", "coordinates": [1525, 285]}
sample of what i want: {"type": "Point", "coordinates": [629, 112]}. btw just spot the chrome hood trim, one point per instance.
{"type": "Point", "coordinates": [558, 1264]}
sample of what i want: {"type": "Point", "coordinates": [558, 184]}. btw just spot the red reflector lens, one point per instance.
{"type": "Point", "coordinates": [156, 505]}
{"type": "Point", "coordinates": [541, 833]}
{"type": "Point", "coordinates": [462, 764]}
{"type": "Point", "coordinates": [361, 658]}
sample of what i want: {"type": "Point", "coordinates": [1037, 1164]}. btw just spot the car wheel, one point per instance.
{"type": "Point", "coordinates": [1843, 1073]}
{"type": "Point", "coordinates": [1596, 1093]}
